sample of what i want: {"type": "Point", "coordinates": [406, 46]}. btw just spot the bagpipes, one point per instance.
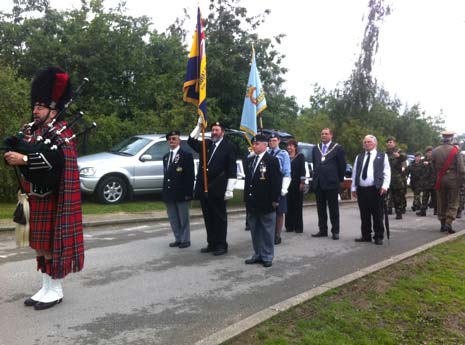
{"type": "Point", "coordinates": [25, 141]}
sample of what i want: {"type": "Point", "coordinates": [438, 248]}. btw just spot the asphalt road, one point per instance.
{"type": "Point", "coordinates": [136, 290]}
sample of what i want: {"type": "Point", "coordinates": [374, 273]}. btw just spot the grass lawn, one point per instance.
{"type": "Point", "coordinates": [418, 301]}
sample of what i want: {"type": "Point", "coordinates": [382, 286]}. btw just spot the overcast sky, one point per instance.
{"type": "Point", "coordinates": [420, 59]}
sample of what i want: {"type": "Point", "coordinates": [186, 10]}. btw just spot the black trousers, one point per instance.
{"type": "Point", "coordinates": [370, 204]}
{"type": "Point", "coordinates": [327, 199]}
{"type": "Point", "coordinates": [216, 221]}
{"type": "Point", "coordinates": [294, 216]}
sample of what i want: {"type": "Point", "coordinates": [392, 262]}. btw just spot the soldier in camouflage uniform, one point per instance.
{"type": "Point", "coordinates": [397, 188]}
{"type": "Point", "coordinates": [426, 183]}
{"type": "Point", "coordinates": [414, 171]}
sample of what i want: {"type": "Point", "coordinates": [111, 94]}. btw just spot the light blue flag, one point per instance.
{"type": "Point", "coordinates": [254, 102]}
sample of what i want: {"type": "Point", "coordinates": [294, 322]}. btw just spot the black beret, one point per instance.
{"type": "Point", "coordinates": [170, 134]}
{"type": "Point", "coordinates": [217, 124]}
{"type": "Point", "coordinates": [260, 138]}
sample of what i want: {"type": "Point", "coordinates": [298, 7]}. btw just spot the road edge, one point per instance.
{"type": "Point", "coordinates": [237, 328]}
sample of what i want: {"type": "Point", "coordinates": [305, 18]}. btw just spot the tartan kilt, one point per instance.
{"type": "Point", "coordinates": [42, 221]}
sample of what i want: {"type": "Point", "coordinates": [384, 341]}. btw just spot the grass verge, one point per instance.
{"type": "Point", "coordinates": [418, 301]}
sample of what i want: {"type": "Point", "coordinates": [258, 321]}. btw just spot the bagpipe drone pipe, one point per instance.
{"type": "Point", "coordinates": [46, 142]}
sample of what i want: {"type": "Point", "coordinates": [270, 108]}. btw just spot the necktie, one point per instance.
{"type": "Point", "coordinates": [170, 159]}
{"type": "Point", "coordinates": [211, 151]}
{"type": "Point", "coordinates": [254, 164]}
{"type": "Point", "coordinates": [324, 148]}
{"type": "Point", "coordinates": [365, 167]}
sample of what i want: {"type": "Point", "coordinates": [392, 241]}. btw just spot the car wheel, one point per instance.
{"type": "Point", "coordinates": [112, 190]}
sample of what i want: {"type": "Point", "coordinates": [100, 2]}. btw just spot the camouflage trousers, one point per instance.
{"type": "Point", "coordinates": [461, 198]}
{"type": "Point", "coordinates": [416, 199]}
{"type": "Point", "coordinates": [428, 197]}
{"type": "Point", "coordinates": [396, 200]}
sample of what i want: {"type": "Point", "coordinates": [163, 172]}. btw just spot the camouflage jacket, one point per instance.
{"type": "Point", "coordinates": [414, 170]}
{"type": "Point", "coordinates": [427, 175]}
{"type": "Point", "coordinates": [396, 163]}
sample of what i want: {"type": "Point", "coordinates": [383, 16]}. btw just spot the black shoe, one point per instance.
{"type": "Point", "coordinates": [459, 214]}
{"type": "Point", "coordinates": [399, 216]}
{"type": "Point", "coordinates": [174, 244]}
{"type": "Point", "coordinates": [253, 261]}
{"type": "Point", "coordinates": [320, 234]}
{"type": "Point", "coordinates": [220, 251]}
{"type": "Point", "coordinates": [207, 249]}
{"type": "Point", "coordinates": [277, 240]}
{"type": "Point", "coordinates": [30, 302]}
{"type": "Point", "coordinates": [421, 213]}
{"type": "Point", "coordinates": [335, 236]}
{"type": "Point", "coordinates": [267, 264]}
{"type": "Point", "coordinates": [290, 230]}
{"type": "Point", "coordinates": [184, 244]}
{"type": "Point", "coordinates": [299, 231]}
{"type": "Point", "coordinates": [389, 211]}
{"type": "Point", "coordinates": [247, 228]}
{"type": "Point", "coordinates": [378, 241]}
{"type": "Point", "coordinates": [435, 212]}
{"type": "Point", "coordinates": [363, 239]}
{"type": "Point", "coordinates": [449, 229]}
{"type": "Point", "coordinates": [414, 208]}
{"type": "Point", "coordinates": [42, 306]}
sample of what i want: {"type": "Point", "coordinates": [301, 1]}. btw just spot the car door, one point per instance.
{"type": "Point", "coordinates": [148, 172]}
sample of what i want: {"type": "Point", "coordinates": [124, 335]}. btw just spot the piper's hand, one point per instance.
{"type": "Point", "coordinates": [14, 158]}
{"type": "Point", "coordinates": [228, 195]}
{"type": "Point", "coordinates": [354, 195]}
{"type": "Point", "coordinates": [382, 191]}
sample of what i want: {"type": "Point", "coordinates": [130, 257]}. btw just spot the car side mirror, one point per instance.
{"type": "Point", "coordinates": [144, 158]}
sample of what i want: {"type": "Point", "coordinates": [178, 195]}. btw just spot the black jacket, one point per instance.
{"type": "Point", "coordinates": [329, 173]}
{"type": "Point", "coordinates": [178, 180]}
{"type": "Point", "coordinates": [264, 186]}
{"type": "Point", "coordinates": [221, 167]}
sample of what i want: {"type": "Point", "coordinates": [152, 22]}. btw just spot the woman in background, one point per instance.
{"type": "Point", "coordinates": [295, 196]}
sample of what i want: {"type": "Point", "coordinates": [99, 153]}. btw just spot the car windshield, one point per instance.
{"type": "Point", "coordinates": [130, 146]}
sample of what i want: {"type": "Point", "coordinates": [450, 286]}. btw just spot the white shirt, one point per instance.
{"type": "Point", "coordinates": [370, 181]}
{"type": "Point", "coordinates": [259, 158]}
{"type": "Point", "coordinates": [175, 151]}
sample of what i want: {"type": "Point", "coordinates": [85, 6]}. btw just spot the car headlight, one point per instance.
{"type": "Point", "coordinates": [87, 171]}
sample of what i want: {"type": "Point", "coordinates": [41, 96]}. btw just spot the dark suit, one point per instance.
{"type": "Point", "coordinates": [220, 167]}
{"type": "Point", "coordinates": [261, 188]}
{"type": "Point", "coordinates": [178, 186]}
{"type": "Point", "coordinates": [327, 176]}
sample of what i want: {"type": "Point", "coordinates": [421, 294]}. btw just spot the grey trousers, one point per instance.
{"type": "Point", "coordinates": [262, 229]}
{"type": "Point", "coordinates": [178, 215]}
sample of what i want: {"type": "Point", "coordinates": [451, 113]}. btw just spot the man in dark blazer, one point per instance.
{"type": "Point", "coordinates": [221, 177]}
{"type": "Point", "coordinates": [329, 166]}
{"type": "Point", "coordinates": [262, 190]}
{"type": "Point", "coordinates": [178, 187]}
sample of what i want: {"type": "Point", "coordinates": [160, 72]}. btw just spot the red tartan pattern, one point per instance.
{"type": "Point", "coordinates": [65, 218]}
{"type": "Point", "coordinates": [42, 221]}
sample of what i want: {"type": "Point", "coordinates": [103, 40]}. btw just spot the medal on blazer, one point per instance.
{"type": "Point", "coordinates": [178, 169]}
{"type": "Point", "coordinates": [262, 170]}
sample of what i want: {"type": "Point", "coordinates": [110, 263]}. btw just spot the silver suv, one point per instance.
{"type": "Point", "coordinates": [134, 166]}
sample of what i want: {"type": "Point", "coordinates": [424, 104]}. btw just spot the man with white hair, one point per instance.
{"type": "Point", "coordinates": [450, 172]}
{"type": "Point", "coordinates": [371, 177]}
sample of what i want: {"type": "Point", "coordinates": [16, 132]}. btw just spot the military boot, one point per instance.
{"type": "Point", "coordinates": [459, 214]}
{"type": "Point", "coordinates": [435, 212]}
{"type": "Point", "coordinates": [421, 213]}
{"type": "Point", "coordinates": [443, 226]}
{"type": "Point", "coordinates": [399, 215]}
